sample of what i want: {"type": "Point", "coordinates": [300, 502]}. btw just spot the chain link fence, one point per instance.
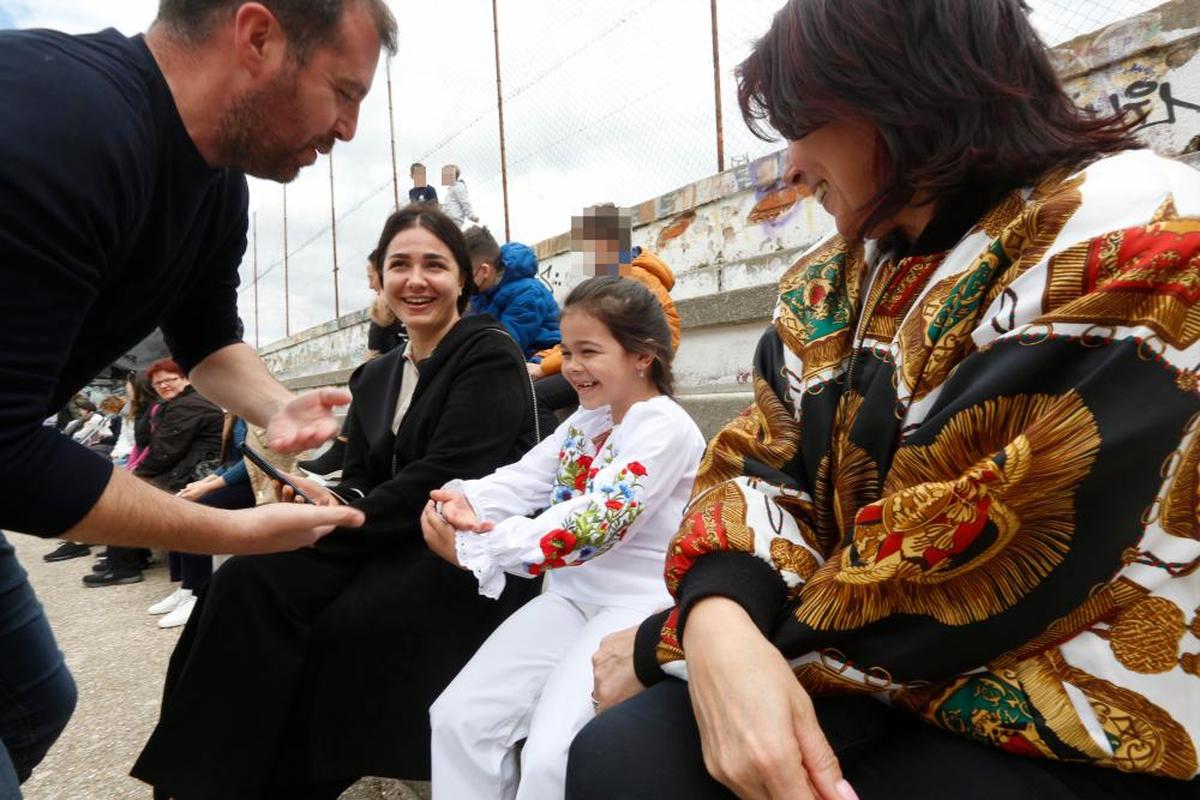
{"type": "Point", "coordinates": [601, 102]}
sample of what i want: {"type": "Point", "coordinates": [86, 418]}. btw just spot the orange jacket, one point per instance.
{"type": "Point", "coordinates": [653, 273]}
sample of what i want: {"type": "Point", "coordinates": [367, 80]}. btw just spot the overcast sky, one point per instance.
{"type": "Point", "coordinates": [603, 102]}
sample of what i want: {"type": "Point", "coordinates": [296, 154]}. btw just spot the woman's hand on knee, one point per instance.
{"type": "Point", "coordinates": [613, 678]}
{"type": "Point", "coordinates": [758, 730]}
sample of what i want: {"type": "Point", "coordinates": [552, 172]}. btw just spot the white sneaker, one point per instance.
{"type": "Point", "coordinates": [170, 602]}
{"type": "Point", "coordinates": [180, 615]}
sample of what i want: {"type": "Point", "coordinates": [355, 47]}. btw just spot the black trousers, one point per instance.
{"type": "Point", "coordinates": [649, 747]}
{"type": "Point", "coordinates": [234, 676]}
{"type": "Point", "coordinates": [126, 560]}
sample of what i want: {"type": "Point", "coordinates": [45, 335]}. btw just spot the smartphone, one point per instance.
{"type": "Point", "coordinates": [273, 473]}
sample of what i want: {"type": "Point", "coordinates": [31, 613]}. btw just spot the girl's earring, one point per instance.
{"type": "Point", "coordinates": [641, 372]}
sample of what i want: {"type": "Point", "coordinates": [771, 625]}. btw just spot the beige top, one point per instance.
{"type": "Point", "coordinates": [408, 385]}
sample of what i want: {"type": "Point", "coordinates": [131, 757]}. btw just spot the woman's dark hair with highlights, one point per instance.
{"type": "Point", "coordinates": [634, 318]}
{"type": "Point", "coordinates": [961, 92]}
{"type": "Point", "coordinates": [441, 226]}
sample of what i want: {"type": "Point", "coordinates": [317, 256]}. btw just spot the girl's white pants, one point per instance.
{"type": "Point", "coordinates": [532, 680]}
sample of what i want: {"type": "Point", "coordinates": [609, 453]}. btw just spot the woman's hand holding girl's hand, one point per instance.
{"type": "Point", "coordinates": [456, 509]}
{"type": "Point", "coordinates": [758, 730]}
{"type": "Point", "coordinates": [439, 534]}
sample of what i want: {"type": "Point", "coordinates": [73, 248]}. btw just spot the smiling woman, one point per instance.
{"type": "Point", "coordinates": [422, 281]}
{"type": "Point", "coordinates": [299, 673]}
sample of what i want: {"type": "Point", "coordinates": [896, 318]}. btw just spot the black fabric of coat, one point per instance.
{"type": "Point", "coordinates": [186, 434]}
{"type": "Point", "coordinates": [322, 663]}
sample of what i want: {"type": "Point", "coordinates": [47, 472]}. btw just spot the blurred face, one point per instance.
{"type": "Point", "coordinates": [168, 384]}
{"type": "Point", "coordinates": [418, 176]}
{"type": "Point", "coordinates": [275, 130]}
{"type": "Point", "coordinates": [421, 282]}
{"type": "Point", "coordinates": [596, 365]}
{"type": "Point", "coordinates": [448, 176]}
{"type": "Point", "coordinates": [836, 162]}
{"type": "Point", "coordinates": [602, 257]}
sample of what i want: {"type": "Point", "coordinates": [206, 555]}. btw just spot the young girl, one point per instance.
{"type": "Point", "coordinates": [613, 480]}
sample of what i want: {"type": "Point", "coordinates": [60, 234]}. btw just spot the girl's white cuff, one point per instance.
{"type": "Point", "coordinates": [473, 554]}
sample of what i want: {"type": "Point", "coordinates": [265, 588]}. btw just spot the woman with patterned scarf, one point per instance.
{"type": "Point", "coordinates": [968, 485]}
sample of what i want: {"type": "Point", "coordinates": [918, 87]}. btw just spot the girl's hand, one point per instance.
{"type": "Point", "coordinates": [456, 509]}
{"type": "Point", "coordinates": [439, 534]}
{"type": "Point", "coordinates": [319, 494]}
{"type": "Point", "coordinates": [758, 730]}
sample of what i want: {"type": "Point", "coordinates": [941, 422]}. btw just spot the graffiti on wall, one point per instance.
{"type": "Point", "coordinates": [1140, 97]}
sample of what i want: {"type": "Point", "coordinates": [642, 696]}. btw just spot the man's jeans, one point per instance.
{"type": "Point", "coordinates": [37, 693]}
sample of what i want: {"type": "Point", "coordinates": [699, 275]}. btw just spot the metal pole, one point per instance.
{"type": "Point", "coordinates": [287, 310]}
{"type": "Point", "coordinates": [392, 128]}
{"type": "Point", "coordinates": [256, 340]}
{"type": "Point", "coordinates": [337, 304]}
{"type": "Point", "coordinates": [717, 89]}
{"type": "Point", "coordinates": [500, 108]}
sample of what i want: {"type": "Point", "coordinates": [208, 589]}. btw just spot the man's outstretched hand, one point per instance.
{"type": "Point", "coordinates": [307, 421]}
{"type": "Point", "coordinates": [279, 527]}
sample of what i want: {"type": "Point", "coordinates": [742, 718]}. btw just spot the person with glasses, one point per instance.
{"type": "Point", "coordinates": [185, 444]}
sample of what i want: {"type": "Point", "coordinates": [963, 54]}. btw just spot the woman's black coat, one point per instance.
{"type": "Point", "coordinates": [186, 434]}
{"type": "Point", "coordinates": [385, 649]}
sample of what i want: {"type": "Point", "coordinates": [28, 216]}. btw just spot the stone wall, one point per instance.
{"type": "Point", "coordinates": [730, 236]}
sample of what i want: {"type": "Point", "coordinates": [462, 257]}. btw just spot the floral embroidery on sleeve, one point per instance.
{"type": "Point", "coordinates": [600, 524]}
{"type": "Point", "coordinates": [576, 468]}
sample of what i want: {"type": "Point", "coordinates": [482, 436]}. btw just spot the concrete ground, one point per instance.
{"type": "Point", "coordinates": [118, 656]}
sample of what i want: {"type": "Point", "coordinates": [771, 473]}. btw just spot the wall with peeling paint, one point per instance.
{"type": "Point", "coordinates": [730, 236]}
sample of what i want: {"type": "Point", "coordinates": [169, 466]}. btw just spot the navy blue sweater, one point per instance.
{"type": "Point", "coordinates": [110, 224]}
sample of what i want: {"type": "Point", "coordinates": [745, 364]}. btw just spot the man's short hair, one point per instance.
{"type": "Point", "coordinates": [309, 24]}
{"type": "Point", "coordinates": [414, 166]}
{"type": "Point", "coordinates": [482, 245]}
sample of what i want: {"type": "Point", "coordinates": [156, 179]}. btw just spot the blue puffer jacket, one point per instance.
{"type": "Point", "coordinates": [522, 303]}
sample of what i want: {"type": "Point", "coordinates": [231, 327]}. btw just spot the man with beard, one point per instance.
{"type": "Point", "coordinates": [123, 206]}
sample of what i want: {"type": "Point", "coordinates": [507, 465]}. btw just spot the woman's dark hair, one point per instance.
{"type": "Point", "coordinates": [143, 394]}
{"type": "Point", "coordinates": [961, 92]}
{"type": "Point", "coordinates": [227, 444]}
{"type": "Point", "coordinates": [634, 318]}
{"type": "Point", "coordinates": [441, 226]}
